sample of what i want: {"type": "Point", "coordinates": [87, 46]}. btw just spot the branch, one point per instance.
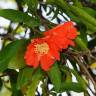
{"type": "Point", "coordinates": [78, 59]}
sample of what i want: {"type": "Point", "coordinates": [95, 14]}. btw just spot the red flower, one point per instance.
{"type": "Point", "coordinates": [62, 35]}
{"type": "Point", "coordinates": [41, 52]}
{"type": "Point", "coordinates": [45, 51]}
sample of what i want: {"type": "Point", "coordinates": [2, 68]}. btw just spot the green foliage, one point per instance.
{"type": "Point", "coordinates": [90, 11]}
{"type": "Point", "coordinates": [55, 76]}
{"type": "Point", "coordinates": [32, 5]}
{"type": "Point", "coordinates": [34, 84]}
{"type": "Point", "coordinates": [70, 86]}
{"type": "Point", "coordinates": [83, 14]}
{"type": "Point", "coordinates": [82, 57]}
{"type": "Point", "coordinates": [81, 44]}
{"type": "Point", "coordinates": [18, 16]}
{"type": "Point", "coordinates": [13, 78]}
{"type": "Point", "coordinates": [18, 62]}
{"type": "Point", "coordinates": [93, 1]}
{"type": "Point", "coordinates": [25, 75]}
{"type": "Point", "coordinates": [83, 33]}
{"type": "Point", "coordinates": [8, 52]}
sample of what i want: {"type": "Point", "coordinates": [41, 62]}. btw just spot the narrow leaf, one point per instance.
{"type": "Point", "coordinates": [70, 86]}
{"type": "Point", "coordinates": [25, 75]}
{"type": "Point", "coordinates": [80, 80]}
{"type": "Point", "coordinates": [7, 53]}
{"type": "Point", "coordinates": [35, 81]}
{"type": "Point", "coordinates": [18, 16]}
{"type": "Point", "coordinates": [13, 78]}
{"type": "Point", "coordinates": [32, 5]}
{"type": "Point", "coordinates": [55, 76]}
{"type": "Point", "coordinates": [81, 44]}
{"type": "Point", "coordinates": [18, 62]}
{"type": "Point", "coordinates": [83, 14]}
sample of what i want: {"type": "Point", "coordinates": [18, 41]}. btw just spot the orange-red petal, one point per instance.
{"type": "Point", "coordinates": [46, 62]}
{"type": "Point", "coordinates": [31, 57]}
{"type": "Point", "coordinates": [72, 34]}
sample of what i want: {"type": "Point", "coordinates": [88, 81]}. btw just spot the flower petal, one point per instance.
{"type": "Point", "coordinates": [54, 52]}
{"type": "Point", "coordinates": [72, 33]}
{"type": "Point", "coordinates": [46, 62]}
{"type": "Point", "coordinates": [31, 57]}
{"type": "Point", "coordinates": [70, 42]}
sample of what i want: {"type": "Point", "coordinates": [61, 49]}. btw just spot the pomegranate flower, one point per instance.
{"type": "Point", "coordinates": [39, 51]}
{"type": "Point", "coordinates": [63, 35]}
{"type": "Point", "coordinates": [45, 51]}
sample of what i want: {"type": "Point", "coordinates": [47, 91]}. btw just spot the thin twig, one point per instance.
{"type": "Point", "coordinates": [85, 70]}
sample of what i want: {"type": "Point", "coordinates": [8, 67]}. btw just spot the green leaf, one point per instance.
{"type": "Point", "coordinates": [25, 75]}
{"type": "Point", "coordinates": [83, 33]}
{"type": "Point", "coordinates": [32, 5]}
{"type": "Point", "coordinates": [68, 76]}
{"type": "Point", "coordinates": [7, 53]}
{"type": "Point", "coordinates": [80, 80]}
{"type": "Point", "coordinates": [35, 81]}
{"type": "Point", "coordinates": [55, 76]}
{"type": "Point", "coordinates": [90, 27]}
{"type": "Point", "coordinates": [77, 3]}
{"type": "Point", "coordinates": [83, 14]}
{"type": "Point", "coordinates": [81, 44]}
{"type": "Point", "coordinates": [18, 62]}
{"type": "Point", "coordinates": [91, 11]}
{"type": "Point", "coordinates": [13, 78]}
{"type": "Point", "coordinates": [93, 1]}
{"type": "Point", "coordinates": [70, 86]}
{"type": "Point", "coordinates": [18, 16]}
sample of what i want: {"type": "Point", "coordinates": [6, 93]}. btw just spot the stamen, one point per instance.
{"type": "Point", "coordinates": [41, 48]}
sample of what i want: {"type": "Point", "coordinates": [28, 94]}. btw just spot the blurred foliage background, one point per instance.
{"type": "Point", "coordinates": [27, 19]}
